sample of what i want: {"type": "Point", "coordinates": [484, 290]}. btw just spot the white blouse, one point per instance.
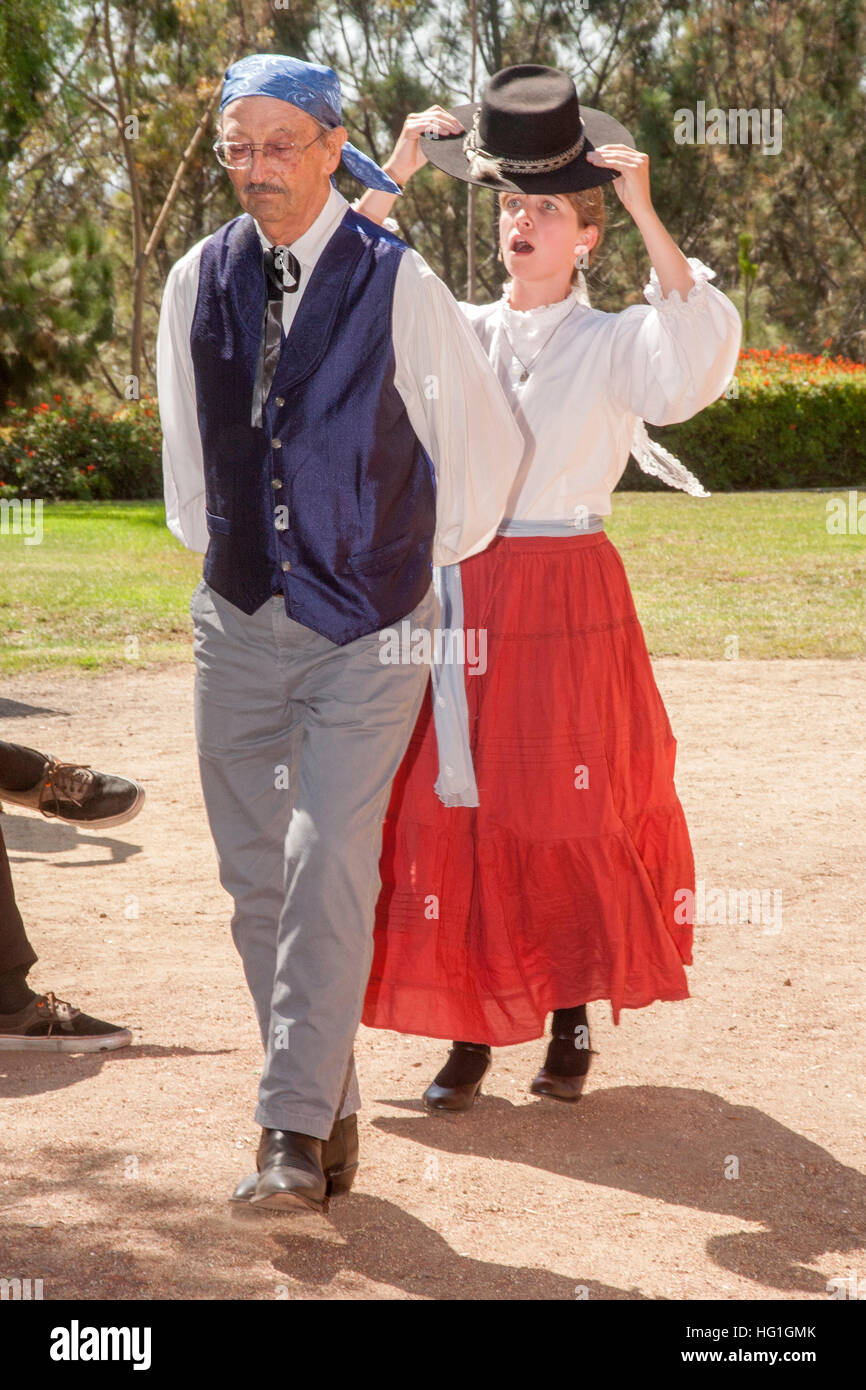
{"type": "Point", "coordinates": [595, 376]}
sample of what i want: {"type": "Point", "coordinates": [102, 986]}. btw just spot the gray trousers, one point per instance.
{"type": "Point", "coordinates": [298, 742]}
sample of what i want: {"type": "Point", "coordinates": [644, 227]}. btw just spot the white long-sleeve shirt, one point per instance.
{"type": "Point", "coordinates": [454, 402]}
{"type": "Point", "coordinates": [595, 375]}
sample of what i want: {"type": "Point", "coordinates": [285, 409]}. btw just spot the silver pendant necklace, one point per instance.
{"type": "Point", "coordinates": [524, 375]}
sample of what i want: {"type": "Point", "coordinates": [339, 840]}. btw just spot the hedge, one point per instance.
{"type": "Point", "coordinates": [63, 449]}
{"type": "Point", "coordinates": [789, 421]}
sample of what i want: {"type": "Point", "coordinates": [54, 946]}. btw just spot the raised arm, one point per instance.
{"type": "Point", "coordinates": [633, 190]}
{"type": "Point", "coordinates": [407, 158]}
{"type": "Point", "coordinates": [676, 354]}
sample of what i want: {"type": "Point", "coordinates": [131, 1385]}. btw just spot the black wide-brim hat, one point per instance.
{"type": "Point", "coordinates": [528, 134]}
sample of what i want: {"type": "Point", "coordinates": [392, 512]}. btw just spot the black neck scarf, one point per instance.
{"type": "Point", "coordinates": [282, 276]}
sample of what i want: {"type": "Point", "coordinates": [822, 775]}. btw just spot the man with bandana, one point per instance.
{"type": "Point", "coordinates": [331, 428]}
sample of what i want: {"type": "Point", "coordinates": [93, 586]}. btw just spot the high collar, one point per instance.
{"type": "Point", "coordinates": [541, 313]}
{"type": "Point", "coordinates": [310, 245]}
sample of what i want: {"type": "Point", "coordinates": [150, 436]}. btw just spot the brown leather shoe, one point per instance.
{"type": "Point", "coordinates": [75, 793]}
{"type": "Point", "coordinates": [339, 1164]}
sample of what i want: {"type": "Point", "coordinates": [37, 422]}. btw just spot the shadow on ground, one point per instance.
{"type": "Point", "coordinates": [36, 1073]}
{"type": "Point", "coordinates": [38, 837]}
{"type": "Point", "coordinates": [676, 1145]}
{"type": "Point", "coordinates": [140, 1239]}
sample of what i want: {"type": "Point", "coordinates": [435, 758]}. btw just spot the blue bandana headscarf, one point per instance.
{"type": "Point", "coordinates": [313, 88]}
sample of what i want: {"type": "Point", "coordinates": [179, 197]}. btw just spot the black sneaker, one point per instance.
{"type": "Point", "coordinates": [77, 794]}
{"type": "Point", "coordinates": [48, 1024]}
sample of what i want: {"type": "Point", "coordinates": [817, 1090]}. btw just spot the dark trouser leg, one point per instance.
{"type": "Point", "coordinates": [20, 767]}
{"type": "Point", "coordinates": [16, 953]}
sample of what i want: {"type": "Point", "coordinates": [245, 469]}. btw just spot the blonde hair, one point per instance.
{"type": "Point", "coordinates": [590, 208]}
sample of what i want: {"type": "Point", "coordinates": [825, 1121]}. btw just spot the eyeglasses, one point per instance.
{"type": "Point", "coordinates": [239, 154]}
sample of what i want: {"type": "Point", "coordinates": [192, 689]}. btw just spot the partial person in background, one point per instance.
{"type": "Point", "coordinates": [542, 872]}
{"type": "Point", "coordinates": [75, 793]}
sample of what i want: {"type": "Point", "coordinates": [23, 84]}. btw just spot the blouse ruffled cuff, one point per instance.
{"type": "Point", "coordinates": [674, 303]}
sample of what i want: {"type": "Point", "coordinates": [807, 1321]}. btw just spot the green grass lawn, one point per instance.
{"type": "Point", "coordinates": [105, 573]}
{"type": "Point", "coordinates": [758, 566]}
{"type": "Point", "coordinates": [108, 586]}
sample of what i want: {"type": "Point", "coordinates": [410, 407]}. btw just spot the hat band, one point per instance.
{"type": "Point", "coordinates": [484, 164]}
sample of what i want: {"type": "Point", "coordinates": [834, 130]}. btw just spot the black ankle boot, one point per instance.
{"type": "Point", "coordinates": [340, 1156]}
{"type": "Point", "coordinates": [568, 1057]}
{"type": "Point", "coordinates": [459, 1082]}
{"type": "Point", "coordinates": [339, 1163]}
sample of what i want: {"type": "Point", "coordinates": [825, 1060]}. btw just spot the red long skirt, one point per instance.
{"type": "Point", "coordinates": [560, 887]}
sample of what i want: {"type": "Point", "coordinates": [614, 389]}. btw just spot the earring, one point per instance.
{"type": "Point", "coordinates": [581, 260]}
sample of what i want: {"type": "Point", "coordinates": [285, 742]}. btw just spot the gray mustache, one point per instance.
{"type": "Point", "coordinates": [262, 188]}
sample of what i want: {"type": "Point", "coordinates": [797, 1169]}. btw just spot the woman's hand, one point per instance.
{"type": "Point", "coordinates": [408, 157]}
{"type": "Point", "coordinates": [633, 190]}
{"type": "Point", "coordinates": [633, 186]}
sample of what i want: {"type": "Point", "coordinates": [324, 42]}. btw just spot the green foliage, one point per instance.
{"type": "Point", "coordinates": [24, 72]}
{"type": "Point", "coordinates": [748, 272]}
{"type": "Point", "coordinates": [65, 450]}
{"type": "Point", "coordinates": [55, 308]}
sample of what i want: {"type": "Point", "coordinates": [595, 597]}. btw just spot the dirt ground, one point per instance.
{"type": "Point", "coordinates": [717, 1151]}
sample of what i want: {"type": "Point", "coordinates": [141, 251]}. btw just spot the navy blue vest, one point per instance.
{"type": "Point", "coordinates": [331, 502]}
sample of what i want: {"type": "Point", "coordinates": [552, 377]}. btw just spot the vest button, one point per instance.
{"type": "Point", "coordinates": [278, 400]}
{"type": "Point", "coordinates": [276, 444]}
{"type": "Point", "coordinates": [276, 482]}
{"type": "Point", "coordinates": [286, 565]}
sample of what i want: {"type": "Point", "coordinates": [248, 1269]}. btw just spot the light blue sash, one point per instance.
{"type": "Point", "coordinates": [455, 785]}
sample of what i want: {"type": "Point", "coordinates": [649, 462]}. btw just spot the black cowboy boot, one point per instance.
{"type": "Point", "coordinates": [339, 1164]}
{"type": "Point", "coordinates": [568, 1055]}
{"type": "Point", "coordinates": [459, 1082]}
{"type": "Point", "coordinates": [290, 1171]}
{"type": "Point", "coordinates": [340, 1156]}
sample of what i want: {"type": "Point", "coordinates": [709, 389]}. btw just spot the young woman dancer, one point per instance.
{"type": "Point", "coordinates": [543, 871]}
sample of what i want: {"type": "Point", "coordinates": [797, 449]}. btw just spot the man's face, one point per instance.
{"type": "Point", "coordinates": [272, 189]}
